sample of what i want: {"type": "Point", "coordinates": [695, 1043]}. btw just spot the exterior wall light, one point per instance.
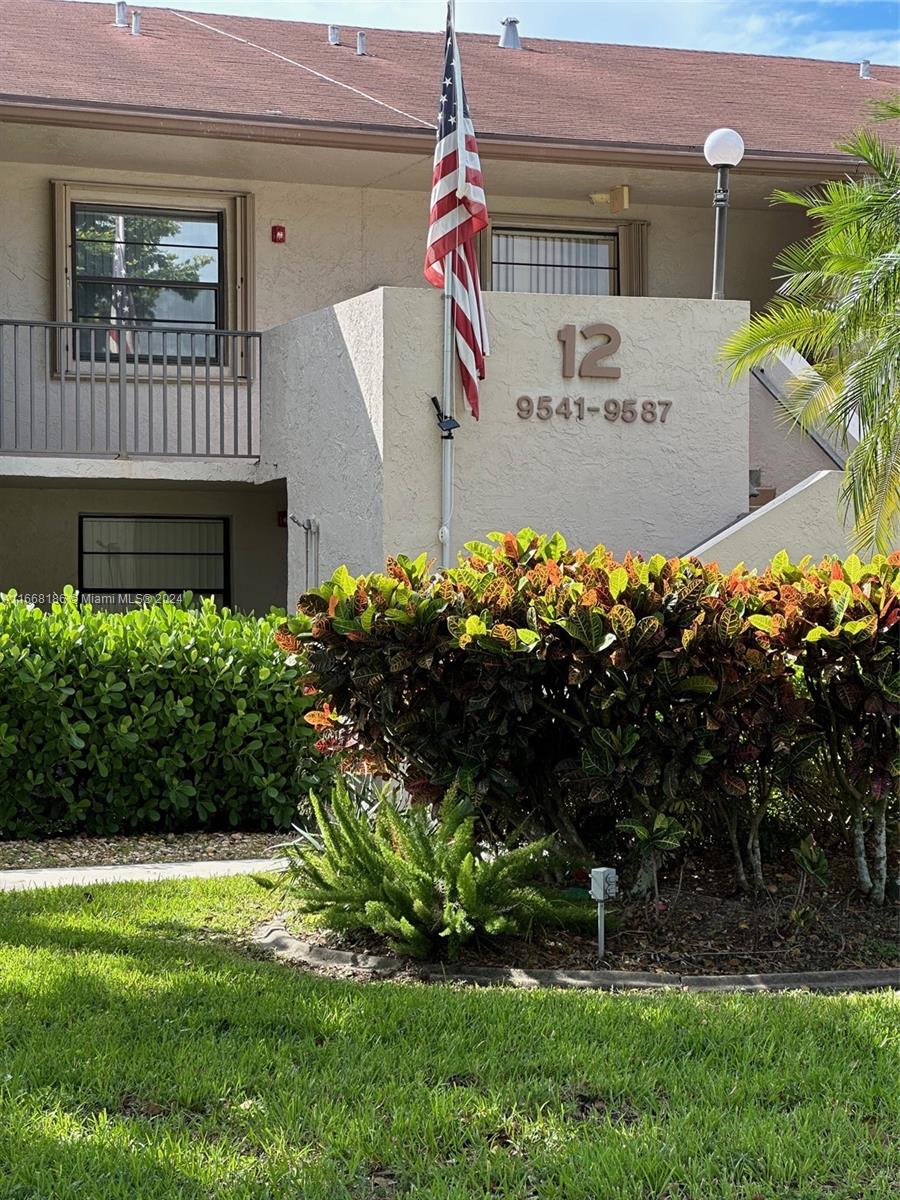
{"type": "Point", "coordinates": [723, 149]}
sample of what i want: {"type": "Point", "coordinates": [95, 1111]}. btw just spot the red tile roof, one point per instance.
{"type": "Point", "coordinates": [551, 91]}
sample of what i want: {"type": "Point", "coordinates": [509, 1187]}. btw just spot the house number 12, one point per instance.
{"type": "Point", "coordinates": [591, 366]}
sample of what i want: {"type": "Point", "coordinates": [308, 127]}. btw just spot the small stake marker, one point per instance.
{"type": "Point", "coordinates": [604, 886]}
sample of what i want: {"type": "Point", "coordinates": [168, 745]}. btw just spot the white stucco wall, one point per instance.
{"type": "Point", "coordinates": [644, 486]}
{"type": "Point", "coordinates": [342, 241]}
{"type": "Point", "coordinates": [679, 253]}
{"type": "Point", "coordinates": [680, 242]}
{"type": "Point", "coordinates": [784, 455]}
{"type": "Point", "coordinates": [807, 519]}
{"type": "Point", "coordinates": [369, 475]}
{"type": "Point", "coordinates": [323, 429]}
{"type": "Point", "coordinates": [39, 533]}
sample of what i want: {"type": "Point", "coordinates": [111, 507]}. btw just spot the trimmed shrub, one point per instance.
{"type": "Point", "coordinates": [574, 690]}
{"type": "Point", "coordinates": [163, 718]}
{"type": "Point", "coordinates": [421, 881]}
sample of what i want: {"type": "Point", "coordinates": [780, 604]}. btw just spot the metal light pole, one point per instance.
{"type": "Point", "coordinates": [723, 149]}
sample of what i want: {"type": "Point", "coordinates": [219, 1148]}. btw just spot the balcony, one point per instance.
{"type": "Point", "coordinates": [134, 391]}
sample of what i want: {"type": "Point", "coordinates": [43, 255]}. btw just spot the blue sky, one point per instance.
{"type": "Point", "coordinates": [847, 30]}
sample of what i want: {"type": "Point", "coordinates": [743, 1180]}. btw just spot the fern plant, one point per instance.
{"type": "Point", "coordinates": [417, 879]}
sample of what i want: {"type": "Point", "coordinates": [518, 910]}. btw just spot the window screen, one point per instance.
{"type": "Point", "coordinates": [126, 561]}
{"type": "Point", "coordinates": [581, 264]}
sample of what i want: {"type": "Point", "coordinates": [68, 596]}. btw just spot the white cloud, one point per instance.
{"type": "Point", "coordinates": [878, 45]}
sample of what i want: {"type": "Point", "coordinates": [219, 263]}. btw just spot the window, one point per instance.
{"type": "Point", "coordinates": [171, 258]}
{"type": "Point", "coordinates": [582, 264]}
{"type": "Point", "coordinates": [126, 560]}
{"type": "Point", "coordinates": [149, 266]}
{"type": "Point", "coordinates": [590, 257]}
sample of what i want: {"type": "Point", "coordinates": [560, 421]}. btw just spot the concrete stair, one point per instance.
{"type": "Point", "coordinates": [762, 497]}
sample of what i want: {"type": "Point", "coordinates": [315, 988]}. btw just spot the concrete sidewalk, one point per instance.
{"type": "Point", "coordinates": [136, 872]}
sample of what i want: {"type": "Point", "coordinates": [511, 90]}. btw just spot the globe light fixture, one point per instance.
{"type": "Point", "coordinates": [723, 149]}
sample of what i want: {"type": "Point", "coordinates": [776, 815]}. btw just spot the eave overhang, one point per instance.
{"type": "Point", "coordinates": [279, 130]}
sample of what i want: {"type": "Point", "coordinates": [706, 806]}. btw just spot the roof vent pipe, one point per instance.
{"type": "Point", "coordinates": [135, 24]}
{"type": "Point", "coordinates": [864, 72]}
{"type": "Point", "coordinates": [334, 35]}
{"type": "Point", "coordinates": [360, 43]}
{"type": "Point", "coordinates": [509, 38]}
{"type": "Point", "coordinates": [121, 14]}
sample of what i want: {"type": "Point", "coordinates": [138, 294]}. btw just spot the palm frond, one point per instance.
{"type": "Point", "coordinates": [886, 110]}
{"type": "Point", "coordinates": [838, 306]}
{"type": "Point", "coordinates": [781, 327]}
{"type": "Point", "coordinates": [812, 396]}
{"type": "Point", "coordinates": [872, 487]}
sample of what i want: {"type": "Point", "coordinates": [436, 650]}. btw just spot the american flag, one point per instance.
{"type": "Point", "coordinates": [458, 212]}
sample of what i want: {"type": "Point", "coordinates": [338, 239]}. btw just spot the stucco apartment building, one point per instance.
{"type": "Point", "coordinates": [217, 349]}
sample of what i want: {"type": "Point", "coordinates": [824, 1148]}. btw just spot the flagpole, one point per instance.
{"type": "Point", "coordinates": [447, 385]}
{"type": "Point", "coordinates": [458, 212]}
{"type": "Point", "coordinates": [447, 409]}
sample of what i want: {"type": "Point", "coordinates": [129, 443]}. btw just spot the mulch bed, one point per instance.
{"type": "Point", "coordinates": [143, 848]}
{"type": "Point", "coordinates": [706, 929]}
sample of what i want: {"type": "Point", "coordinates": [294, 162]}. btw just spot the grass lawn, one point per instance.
{"type": "Point", "coordinates": [143, 1055]}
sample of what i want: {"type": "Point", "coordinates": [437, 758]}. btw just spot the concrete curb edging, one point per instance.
{"type": "Point", "coordinates": [273, 936]}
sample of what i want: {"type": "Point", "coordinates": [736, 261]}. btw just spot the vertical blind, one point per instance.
{"type": "Point", "coordinates": [565, 263]}
{"type": "Point", "coordinates": [125, 559]}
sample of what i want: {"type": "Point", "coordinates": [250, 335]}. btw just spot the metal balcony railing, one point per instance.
{"type": "Point", "coordinates": [128, 390]}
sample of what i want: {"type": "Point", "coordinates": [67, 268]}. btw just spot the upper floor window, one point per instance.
{"type": "Point", "coordinates": [582, 264]}
{"type": "Point", "coordinates": [587, 256]}
{"type": "Point", "coordinates": [147, 266]}
{"type": "Point", "coordinates": [135, 255]}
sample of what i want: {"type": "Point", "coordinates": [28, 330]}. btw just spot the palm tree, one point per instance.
{"type": "Point", "coordinates": [838, 305]}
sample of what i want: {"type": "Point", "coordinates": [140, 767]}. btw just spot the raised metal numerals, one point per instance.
{"type": "Point", "coordinates": [591, 366]}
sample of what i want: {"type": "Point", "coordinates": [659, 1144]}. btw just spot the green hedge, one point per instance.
{"type": "Point", "coordinates": [163, 718]}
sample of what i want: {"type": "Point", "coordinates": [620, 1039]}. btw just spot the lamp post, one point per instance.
{"type": "Point", "coordinates": [724, 148]}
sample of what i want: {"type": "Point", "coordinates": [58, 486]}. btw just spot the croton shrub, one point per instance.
{"type": "Point", "coordinates": [839, 622]}
{"type": "Point", "coordinates": [574, 690]}
{"type": "Point", "coordinates": [162, 718]}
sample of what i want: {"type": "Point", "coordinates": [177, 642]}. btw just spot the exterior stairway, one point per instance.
{"type": "Point", "coordinates": [760, 497]}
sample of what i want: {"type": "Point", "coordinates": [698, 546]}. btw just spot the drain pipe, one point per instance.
{"type": "Point", "coordinates": [604, 886]}
{"type": "Point", "coordinates": [310, 529]}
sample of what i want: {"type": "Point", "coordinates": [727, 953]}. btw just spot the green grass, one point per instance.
{"type": "Point", "coordinates": [143, 1055]}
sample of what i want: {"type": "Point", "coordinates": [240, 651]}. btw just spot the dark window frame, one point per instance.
{"type": "Point", "coordinates": [219, 288]}
{"type": "Point", "coordinates": [553, 231]}
{"type": "Point", "coordinates": [225, 554]}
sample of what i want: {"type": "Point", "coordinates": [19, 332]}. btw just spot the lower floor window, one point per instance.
{"type": "Point", "coordinates": [125, 561]}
